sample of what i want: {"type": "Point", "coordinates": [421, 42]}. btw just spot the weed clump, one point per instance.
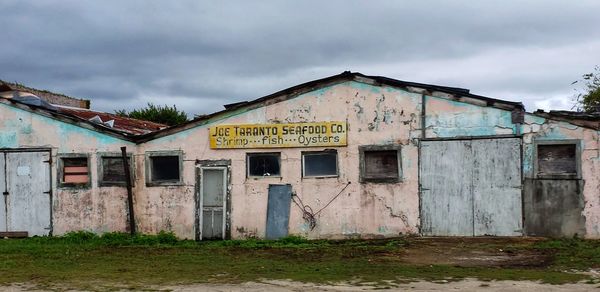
{"type": "Point", "coordinates": [111, 239]}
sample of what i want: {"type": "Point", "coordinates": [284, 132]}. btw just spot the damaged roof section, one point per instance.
{"type": "Point", "coordinates": [110, 124]}
{"type": "Point", "coordinates": [45, 95]}
{"type": "Point", "coordinates": [119, 123]}
{"type": "Point", "coordinates": [58, 105]}
{"type": "Point", "coordinates": [583, 119]}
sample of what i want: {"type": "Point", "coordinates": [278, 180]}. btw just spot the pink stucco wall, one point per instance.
{"type": "Point", "coordinates": [97, 209]}
{"type": "Point", "coordinates": [375, 116]}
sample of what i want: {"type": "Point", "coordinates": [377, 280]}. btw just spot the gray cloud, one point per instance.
{"type": "Point", "coordinates": [200, 55]}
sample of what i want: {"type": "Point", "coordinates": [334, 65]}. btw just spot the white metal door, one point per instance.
{"type": "Point", "coordinates": [213, 203]}
{"type": "Point", "coordinates": [471, 187]}
{"type": "Point", "coordinates": [28, 186]}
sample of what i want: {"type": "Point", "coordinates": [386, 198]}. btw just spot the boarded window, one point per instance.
{"type": "Point", "coordinates": [319, 164]}
{"type": "Point", "coordinates": [165, 168]}
{"type": "Point", "coordinates": [75, 171]}
{"type": "Point", "coordinates": [113, 172]}
{"type": "Point", "coordinates": [263, 164]}
{"type": "Point", "coordinates": [380, 163]}
{"type": "Point", "coordinates": [557, 159]}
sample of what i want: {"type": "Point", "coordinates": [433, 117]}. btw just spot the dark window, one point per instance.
{"type": "Point", "coordinates": [263, 164]}
{"type": "Point", "coordinates": [380, 163]}
{"type": "Point", "coordinates": [113, 171]}
{"type": "Point", "coordinates": [164, 168]}
{"type": "Point", "coordinates": [75, 171]}
{"type": "Point", "coordinates": [557, 159]}
{"type": "Point", "coordinates": [320, 163]}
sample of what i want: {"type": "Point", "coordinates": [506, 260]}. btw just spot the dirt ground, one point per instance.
{"type": "Point", "coordinates": [281, 285]}
{"type": "Point", "coordinates": [465, 285]}
{"type": "Point", "coordinates": [455, 252]}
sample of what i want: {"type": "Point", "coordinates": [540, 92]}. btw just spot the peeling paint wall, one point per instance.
{"type": "Point", "coordinates": [446, 118]}
{"type": "Point", "coordinates": [540, 129]}
{"type": "Point", "coordinates": [98, 209]}
{"type": "Point", "coordinates": [375, 116]}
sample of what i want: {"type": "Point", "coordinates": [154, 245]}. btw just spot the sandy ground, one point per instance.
{"type": "Point", "coordinates": [273, 286]}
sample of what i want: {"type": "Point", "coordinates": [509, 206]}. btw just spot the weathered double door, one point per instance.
{"type": "Point", "coordinates": [471, 187]}
{"type": "Point", "coordinates": [25, 201]}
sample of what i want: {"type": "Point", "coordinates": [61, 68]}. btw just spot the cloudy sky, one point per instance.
{"type": "Point", "coordinates": [200, 55]}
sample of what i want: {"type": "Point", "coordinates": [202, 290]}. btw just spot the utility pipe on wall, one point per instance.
{"type": "Point", "coordinates": [129, 190]}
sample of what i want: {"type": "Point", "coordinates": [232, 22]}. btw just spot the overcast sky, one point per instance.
{"type": "Point", "coordinates": [200, 55]}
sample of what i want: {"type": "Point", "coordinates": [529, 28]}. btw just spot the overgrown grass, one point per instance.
{"type": "Point", "coordinates": [84, 260]}
{"type": "Point", "coordinates": [573, 253]}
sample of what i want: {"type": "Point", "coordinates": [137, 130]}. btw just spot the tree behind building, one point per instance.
{"type": "Point", "coordinates": [155, 113]}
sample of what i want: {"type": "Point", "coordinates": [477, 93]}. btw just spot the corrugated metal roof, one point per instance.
{"type": "Point", "coordinates": [122, 124]}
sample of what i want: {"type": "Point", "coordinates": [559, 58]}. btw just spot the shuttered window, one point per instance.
{"type": "Point", "coordinates": [75, 171]}
{"type": "Point", "coordinates": [558, 160]}
{"type": "Point", "coordinates": [111, 171]}
{"type": "Point", "coordinates": [380, 163]}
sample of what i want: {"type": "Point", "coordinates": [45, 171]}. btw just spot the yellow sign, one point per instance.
{"type": "Point", "coordinates": [278, 135]}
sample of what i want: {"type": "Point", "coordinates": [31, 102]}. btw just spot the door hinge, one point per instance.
{"type": "Point", "coordinates": [5, 193]}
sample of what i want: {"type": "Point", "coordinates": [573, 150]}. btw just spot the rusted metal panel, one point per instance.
{"type": "Point", "coordinates": [554, 207]}
{"type": "Point", "coordinates": [497, 187]}
{"type": "Point", "coordinates": [28, 201]}
{"type": "Point", "coordinates": [471, 187]}
{"type": "Point", "coordinates": [446, 189]}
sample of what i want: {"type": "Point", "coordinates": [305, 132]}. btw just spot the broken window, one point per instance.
{"type": "Point", "coordinates": [74, 171]}
{"type": "Point", "coordinates": [163, 168]}
{"type": "Point", "coordinates": [263, 164]}
{"type": "Point", "coordinates": [319, 164]}
{"type": "Point", "coordinates": [112, 171]}
{"type": "Point", "coordinates": [557, 160]}
{"type": "Point", "coordinates": [380, 163]}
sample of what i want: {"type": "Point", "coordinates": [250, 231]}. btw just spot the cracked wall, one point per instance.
{"type": "Point", "coordinates": [375, 116]}
{"type": "Point", "coordinates": [97, 209]}
{"type": "Point", "coordinates": [446, 118]}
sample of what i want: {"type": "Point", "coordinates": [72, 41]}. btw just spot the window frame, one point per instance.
{"type": "Point", "coordinates": [100, 162]}
{"type": "Point", "coordinates": [536, 168]}
{"type": "Point", "coordinates": [148, 165]}
{"type": "Point", "coordinates": [328, 151]}
{"type": "Point", "coordinates": [368, 148]}
{"type": "Point", "coordinates": [61, 171]}
{"type": "Point", "coordinates": [249, 154]}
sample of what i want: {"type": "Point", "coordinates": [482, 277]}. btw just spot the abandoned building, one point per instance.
{"type": "Point", "coordinates": [341, 157]}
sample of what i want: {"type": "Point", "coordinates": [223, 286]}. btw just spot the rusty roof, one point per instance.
{"type": "Point", "coordinates": [122, 124]}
